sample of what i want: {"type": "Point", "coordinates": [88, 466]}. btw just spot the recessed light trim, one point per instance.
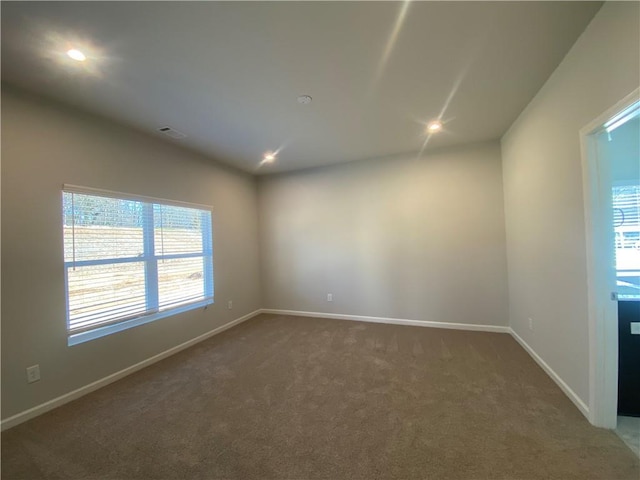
{"type": "Point", "coordinates": [76, 55]}
{"type": "Point", "coordinates": [434, 127]}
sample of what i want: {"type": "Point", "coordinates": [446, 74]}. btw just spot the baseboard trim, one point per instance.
{"type": "Point", "coordinates": [73, 395]}
{"type": "Point", "coordinates": [393, 321]}
{"type": "Point", "coordinates": [456, 326]}
{"type": "Point", "coordinates": [584, 409]}
{"type": "Point", "coordinates": [68, 397]}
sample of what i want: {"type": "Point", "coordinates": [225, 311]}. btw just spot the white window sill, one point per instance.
{"type": "Point", "coordinates": [82, 337]}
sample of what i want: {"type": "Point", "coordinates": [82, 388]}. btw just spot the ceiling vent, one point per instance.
{"type": "Point", "coordinates": [170, 132]}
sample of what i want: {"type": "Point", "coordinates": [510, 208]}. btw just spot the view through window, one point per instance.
{"type": "Point", "coordinates": [626, 221]}
{"type": "Point", "coordinates": [129, 258]}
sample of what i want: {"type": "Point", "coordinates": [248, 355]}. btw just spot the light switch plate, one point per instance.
{"type": "Point", "coordinates": [635, 328]}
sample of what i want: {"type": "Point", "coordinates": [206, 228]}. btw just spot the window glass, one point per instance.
{"type": "Point", "coordinates": [132, 259]}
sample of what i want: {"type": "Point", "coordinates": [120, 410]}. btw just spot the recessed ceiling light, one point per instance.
{"type": "Point", "coordinates": [76, 55]}
{"type": "Point", "coordinates": [304, 99]}
{"type": "Point", "coordinates": [269, 157]}
{"type": "Point", "coordinates": [434, 127]}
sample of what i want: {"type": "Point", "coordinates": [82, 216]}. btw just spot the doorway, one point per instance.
{"type": "Point", "coordinates": [611, 181]}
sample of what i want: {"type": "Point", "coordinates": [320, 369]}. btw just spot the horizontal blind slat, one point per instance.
{"type": "Point", "coordinates": [107, 271]}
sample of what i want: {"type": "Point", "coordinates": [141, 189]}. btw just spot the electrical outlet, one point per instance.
{"type": "Point", "coordinates": [635, 328]}
{"type": "Point", "coordinates": [530, 323]}
{"type": "Point", "coordinates": [329, 297]}
{"type": "Point", "coordinates": [230, 304]}
{"type": "Point", "coordinates": [33, 373]}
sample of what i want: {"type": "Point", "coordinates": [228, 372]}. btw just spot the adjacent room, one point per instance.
{"type": "Point", "coordinates": [320, 240]}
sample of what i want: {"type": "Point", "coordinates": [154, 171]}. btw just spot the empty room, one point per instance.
{"type": "Point", "coordinates": [320, 240]}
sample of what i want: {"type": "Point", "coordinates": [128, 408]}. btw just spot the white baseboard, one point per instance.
{"type": "Point", "coordinates": [68, 397]}
{"type": "Point", "coordinates": [554, 376]}
{"type": "Point", "coordinates": [394, 321]}
{"type": "Point", "coordinates": [457, 326]}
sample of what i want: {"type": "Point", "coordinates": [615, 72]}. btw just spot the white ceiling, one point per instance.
{"type": "Point", "coordinates": [228, 74]}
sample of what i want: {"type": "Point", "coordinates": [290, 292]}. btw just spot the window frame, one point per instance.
{"type": "Point", "coordinates": [150, 259]}
{"type": "Point", "coordinates": [626, 238]}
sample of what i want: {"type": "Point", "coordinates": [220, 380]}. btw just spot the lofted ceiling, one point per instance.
{"type": "Point", "coordinates": [228, 74]}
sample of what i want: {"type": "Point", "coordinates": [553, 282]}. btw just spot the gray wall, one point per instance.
{"type": "Point", "coordinates": [544, 204]}
{"type": "Point", "coordinates": [396, 237]}
{"type": "Point", "coordinates": [45, 145]}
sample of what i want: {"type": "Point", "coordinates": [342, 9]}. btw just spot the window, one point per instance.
{"type": "Point", "coordinates": [130, 260]}
{"type": "Point", "coordinates": [626, 220]}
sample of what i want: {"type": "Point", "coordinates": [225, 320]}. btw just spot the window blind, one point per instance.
{"type": "Point", "coordinates": [626, 220]}
{"type": "Point", "coordinates": [626, 206]}
{"type": "Point", "coordinates": [126, 257]}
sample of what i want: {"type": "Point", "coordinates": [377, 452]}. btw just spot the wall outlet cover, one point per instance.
{"type": "Point", "coordinates": [33, 373]}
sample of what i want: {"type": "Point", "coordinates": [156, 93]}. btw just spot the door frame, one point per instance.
{"type": "Point", "coordinates": [603, 310]}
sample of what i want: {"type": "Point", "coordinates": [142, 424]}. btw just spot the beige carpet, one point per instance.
{"type": "Point", "coordinates": [296, 398]}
